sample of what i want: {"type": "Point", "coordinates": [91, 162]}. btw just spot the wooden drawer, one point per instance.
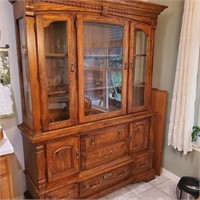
{"type": "Point", "coordinates": [104, 181]}
{"type": "Point", "coordinates": [68, 192]}
{"type": "Point", "coordinates": [103, 137]}
{"type": "Point", "coordinates": [142, 164]}
{"type": "Point", "coordinates": [103, 155]}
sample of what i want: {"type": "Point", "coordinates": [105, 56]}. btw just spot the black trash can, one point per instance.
{"type": "Point", "coordinates": [188, 188]}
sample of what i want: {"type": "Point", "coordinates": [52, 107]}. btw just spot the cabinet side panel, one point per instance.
{"type": "Point", "coordinates": [30, 161]}
{"type": "Point", "coordinates": [158, 104]}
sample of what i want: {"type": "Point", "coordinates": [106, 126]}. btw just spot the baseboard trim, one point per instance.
{"type": "Point", "coordinates": [170, 175]}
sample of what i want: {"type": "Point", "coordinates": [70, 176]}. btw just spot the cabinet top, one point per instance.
{"type": "Point", "coordinates": [130, 9]}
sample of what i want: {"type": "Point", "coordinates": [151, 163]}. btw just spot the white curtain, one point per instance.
{"type": "Point", "coordinates": [184, 94]}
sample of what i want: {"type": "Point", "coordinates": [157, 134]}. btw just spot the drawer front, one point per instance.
{"type": "Point", "coordinates": [104, 181]}
{"type": "Point", "coordinates": [142, 164]}
{"type": "Point", "coordinates": [69, 192]}
{"type": "Point", "coordinates": [103, 137]}
{"type": "Point", "coordinates": [103, 155]}
{"type": "Point", "coordinates": [3, 165]}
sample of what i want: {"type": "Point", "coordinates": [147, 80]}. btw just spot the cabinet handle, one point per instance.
{"type": "Point", "coordinates": [125, 66]}
{"type": "Point", "coordinates": [131, 139]}
{"type": "Point", "coordinates": [72, 67]}
{"type": "Point", "coordinates": [119, 134]}
{"type": "Point", "coordinates": [77, 155]}
{"type": "Point", "coordinates": [92, 141]}
{"type": "Point", "coordinates": [132, 64]}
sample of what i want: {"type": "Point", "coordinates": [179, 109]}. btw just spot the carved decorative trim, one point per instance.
{"type": "Point", "coordinates": [104, 9]}
{"type": "Point", "coordinates": [57, 125]}
{"type": "Point", "coordinates": [72, 3]}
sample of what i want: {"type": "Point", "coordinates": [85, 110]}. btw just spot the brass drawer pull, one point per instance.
{"type": "Point", "coordinates": [106, 176]}
{"type": "Point", "coordinates": [122, 173]}
{"type": "Point", "coordinates": [93, 186]}
{"type": "Point", "coordinates": [140, 166]}
{"type": "Point", "coordinates": [107, 155]}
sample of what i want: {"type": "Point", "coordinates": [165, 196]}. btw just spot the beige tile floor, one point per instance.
{"type": "Point", "coordinates": [161, 188]}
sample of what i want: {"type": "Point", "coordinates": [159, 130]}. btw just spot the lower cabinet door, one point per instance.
{"type": "Point", "coordinates": [68, 192]}
{"type": "Point", "coordinates": [139, 135]}
{"type": "Point", "coordinates": [62, 158]}
{"type": "Point", "coordinates": [105, 180]}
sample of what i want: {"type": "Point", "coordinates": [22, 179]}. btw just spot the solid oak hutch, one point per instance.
{"type": "Point", "coordinates": [86, 73]}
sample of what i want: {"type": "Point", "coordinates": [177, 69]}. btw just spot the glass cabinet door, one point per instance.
{"type": "Point", "coordinates": [25, 78]}
{"type": "Point", "coordinates": [57, 74]}
{"type": "Point", "coordinates": [140, 68]}
{"type": "Point", "coordinates": [103, 68]}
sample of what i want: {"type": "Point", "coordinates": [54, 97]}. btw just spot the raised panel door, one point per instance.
{"type": "Point", "coordinates": [139, 135]}
{"type": "Point", "coordinates": [62, 158]}
{"type": "Point", "coordinates": [57, 65]}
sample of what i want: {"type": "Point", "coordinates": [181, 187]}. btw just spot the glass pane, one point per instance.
{"type": "Point", "coordinates": [102, 67]}
{"type": "Point", "coordinates": [140, 68]}
{"type": "Point", "coordinates": [56, 69]}
{"type": "Point", "coordinates": [24, 63]}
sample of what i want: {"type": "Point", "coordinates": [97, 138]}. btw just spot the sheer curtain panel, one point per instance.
{"type": "Point", "coordinates": [184, 94]}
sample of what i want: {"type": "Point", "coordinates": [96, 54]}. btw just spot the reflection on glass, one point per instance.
{"type": "Point", "coordinates": [102, 67]}
{"type": "Point", "coordinates": [140, 68]}
{"type": "Point", "coordinates": [56, 71]}
{"type": "Point", "coordinates": [24, 62]}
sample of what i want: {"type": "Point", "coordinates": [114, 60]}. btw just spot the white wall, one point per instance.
{"type": "Point", "coordinates": [7, 30]}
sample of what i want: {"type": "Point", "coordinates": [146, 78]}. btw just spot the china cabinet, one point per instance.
{"type": "Point", "coordinates": [86, 74]}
